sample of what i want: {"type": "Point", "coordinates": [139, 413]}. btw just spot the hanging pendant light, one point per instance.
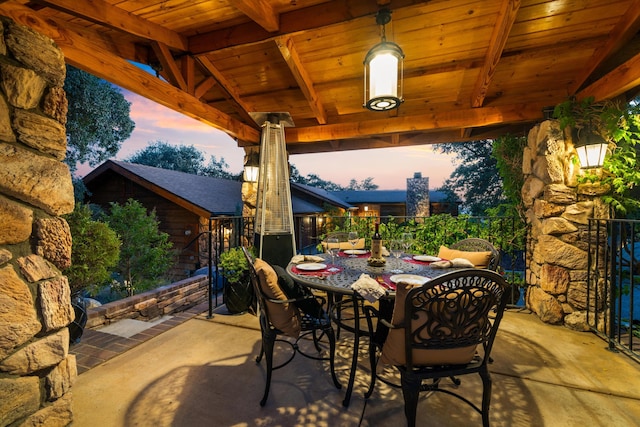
{"type": "Point", "coordinates": [383, 71]}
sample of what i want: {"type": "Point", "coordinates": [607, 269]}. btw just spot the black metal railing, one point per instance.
{"type": "Point", "coordinates": [613, 281]}
{"type": "Point", "coordinates": [508, 235]}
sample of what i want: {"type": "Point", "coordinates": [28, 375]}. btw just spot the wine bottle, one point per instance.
{"type": "Point", "coordinates": [376, 246]}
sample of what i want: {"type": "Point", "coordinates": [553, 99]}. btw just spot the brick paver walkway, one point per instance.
{"type": "Point", "coordinates": [97, 347]}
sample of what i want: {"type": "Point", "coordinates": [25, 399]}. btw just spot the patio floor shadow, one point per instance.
{"type": "Point", "coordinates": [202, 372]}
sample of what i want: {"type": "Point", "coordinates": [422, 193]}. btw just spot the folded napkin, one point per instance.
{"type": "Point", "coordinates": [456, 262]}
{"type": "Point", "coordinates": [385, 251]}
{"type": "Point", "coordinates": [368, 288]}
{"type": "Point", "coordinates": [297, 259]}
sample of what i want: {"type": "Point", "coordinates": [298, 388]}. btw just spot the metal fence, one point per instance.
{"type": "Point", "coordinates": [613, 280]}
{"type": "Point", "coordinates": [508, 235]}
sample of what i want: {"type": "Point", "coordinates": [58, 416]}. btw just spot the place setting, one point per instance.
{"type": "Point", "coordinates": [312, 265]}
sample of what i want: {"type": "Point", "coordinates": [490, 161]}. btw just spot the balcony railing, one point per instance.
{"type": "Point", "coordinates": [613, 280]}
{"type": "Point", "coordinates": [507, 234]}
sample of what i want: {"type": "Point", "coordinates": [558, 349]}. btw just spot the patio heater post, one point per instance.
{"type": "Point", "coordinates": [274, 230]}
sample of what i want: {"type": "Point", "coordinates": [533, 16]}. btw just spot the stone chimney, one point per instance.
{"type": "Point", "coordinates": [36, 369]}
{"type": "Point", "coordinates": [418, 196]}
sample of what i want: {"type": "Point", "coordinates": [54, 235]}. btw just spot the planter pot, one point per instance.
{"type": "Point", "coordinates": [76, 328]}
{"type": "Point", "coordinates": [239, 296]}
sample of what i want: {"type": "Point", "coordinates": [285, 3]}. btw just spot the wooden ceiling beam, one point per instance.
{"type": "Point", "coordinates": [304, 19]}
{"type": "Point", "coordinates": [623, 78]}
{"type": "Point", "coordinates": [623, 32]}
{"type": "Point", "coordinates": [501, 30]}
{"type": "Point", "coordinates": [170, 69]}
{"type": "Point", "coordinates": [106, 14]}
{"type": "Point", "coordinates": [80, 52]}
{"type": "Point", "coordinates": [260, 12]}
{"type": "Point", "coordinates": [229, 91]}
{"type": "Point", "coordinates": [291, 57]}
{"type": "Point", "coordinates": [471, 117]}
{"type": "Point", "coordinates": [204, 87]}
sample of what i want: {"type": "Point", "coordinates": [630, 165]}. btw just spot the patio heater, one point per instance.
{"type": "Point", "coordinates": [274, 234]}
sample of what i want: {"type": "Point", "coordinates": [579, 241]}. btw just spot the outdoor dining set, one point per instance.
{"type": "Point", "coordinates": [433, 317]}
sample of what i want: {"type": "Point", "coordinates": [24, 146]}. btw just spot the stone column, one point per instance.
{"type": "Point", "coordinates": [418, 196]}
{"type": "Point", "coordinates": [557, 211]}
{"type": "Point", "coordinates": [36, 370]}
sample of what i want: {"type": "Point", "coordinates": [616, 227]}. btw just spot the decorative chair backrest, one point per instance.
{"type": "Point", "coordinates": [456, 311]}
{"type": "Point", "coordinates": [479, 245]}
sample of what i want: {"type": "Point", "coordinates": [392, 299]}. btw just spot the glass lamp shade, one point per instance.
{"type": "Point", "coordinates": [591, 148]}
{"type": "Point", "coordinates": [592, 156]}
{"type": "Point", "coordinates": [251, 173]}
{"type": "Point", "coordinates": [383, 74]}
{"type": "Point", "coordinates": [251, 167]}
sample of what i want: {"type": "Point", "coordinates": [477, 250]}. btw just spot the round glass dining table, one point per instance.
{"type": "Point", "coordinates": [336, 279]}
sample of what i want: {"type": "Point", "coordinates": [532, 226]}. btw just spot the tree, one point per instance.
{"type": "Point", "coordinates": [95, 251]}
{"type": "Point", "coordinates": [476, 179]}
{"type": "Point", "coordinates": [183, 158]}
{"type": "Point", "coordinates": [145, 255]}
{"type": "Point", "coordinates": [160, 154]}
{"type": "Point", "coordinates": [365, 184]}
{"type": "Point", "coordinates": [97, 121]}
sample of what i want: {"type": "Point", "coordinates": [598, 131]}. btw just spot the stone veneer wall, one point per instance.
{"type": "Point", "coordinates": [162, 301]}
{"type": "Point", "coordinates": [36, 370]}
{"type": "Point", "coordinates": [558, 210]}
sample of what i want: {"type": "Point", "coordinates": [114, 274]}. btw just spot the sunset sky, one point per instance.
{"type": "Point", "coordinates": [389, 167]}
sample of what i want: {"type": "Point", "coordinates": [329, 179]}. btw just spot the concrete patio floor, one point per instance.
{"type": "Point", "coordinates": [202, 372]}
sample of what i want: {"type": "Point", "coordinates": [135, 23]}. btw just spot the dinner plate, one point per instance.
{"type": "Point", "coordinates": [411, 279]}
{"type": "Point", "coordinates": [426, 258]}
{"type": "Point", "coordinates": [311, 266]}
{"type": "Point", "coordinates": [355, 251]}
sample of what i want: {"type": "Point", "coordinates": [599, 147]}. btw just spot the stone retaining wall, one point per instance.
{"type": "Point", "coordinates": [162, 301]}
{"type": "Point", "coordinates": [36, 369]}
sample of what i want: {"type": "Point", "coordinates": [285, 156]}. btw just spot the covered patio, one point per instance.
{"type": "Point", "coordinates": [203, 372]}
{"type": "Point", "coordinates": [473, 69]}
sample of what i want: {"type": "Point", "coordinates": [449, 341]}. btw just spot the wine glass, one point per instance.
{"type": "Point", "coordinates": [333, 247]}
{"type": "Point", "coordinates": [407, 241]}
{"type": "Point", "coordinates": [353, 240]}
{"type": "Point", "coordinates": [395, 246]}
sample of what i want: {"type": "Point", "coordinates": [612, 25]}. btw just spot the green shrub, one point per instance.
{"type": "Point", "coordinates": [95, 251]}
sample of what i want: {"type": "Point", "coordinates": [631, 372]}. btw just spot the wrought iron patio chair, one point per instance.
{"type": "Point", "coordinates": [444, 328]}
{"type": "Point", "coordinates": [279, 316]}
{"type": "Point", "coordinates": [479, 245]}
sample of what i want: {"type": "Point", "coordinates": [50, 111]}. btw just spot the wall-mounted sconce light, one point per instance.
{"type": "Point", "coordinates": [591, 148]}
{"type": "Point", "coordinates": [251, 166]}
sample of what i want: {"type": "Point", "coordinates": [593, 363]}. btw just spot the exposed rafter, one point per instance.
{"type": "Point", "coordinates": [483, 116]}
{"type": "Point", "coordinates": [317, 16]}
{"type": "Point", "coordinates": [169, 67]}
{"type": "Point", "coordinates": [627, 28]}
{"type": "Point", "coordinates": [231, 94]}
{"type": "Point", "coordinates": [259, 11]}
{"type": "Point", "coordinates": [501, 30]}
{"type": "Point", "coordinates": [617, 82]}
{"type": "Point", "coordinates": [113, 17]}
{"type": "Point", "coordinates": [290, 55]}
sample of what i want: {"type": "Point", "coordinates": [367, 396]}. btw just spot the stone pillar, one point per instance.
{"type": "Point", "coordinates": [36, 370]}
{"type": "Point", "coordinates": [418, 196]}
{"type": "Point", "coordinates": [557, 211]}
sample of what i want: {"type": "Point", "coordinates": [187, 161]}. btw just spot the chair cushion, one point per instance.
{"type": "Point", "coordinates": [346, 245]}
{"type": "Point", "coordinates": [283, 316]}
{"type": "Point", "coordinates": [393, 350]}
{"type": "Point", "coordinates": [479, 259]}
{"type": "Point", "coordinates": [294, 290]}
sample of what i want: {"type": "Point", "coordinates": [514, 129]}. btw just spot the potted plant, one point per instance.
{"type": "Point", "coordinates": [238, 293]}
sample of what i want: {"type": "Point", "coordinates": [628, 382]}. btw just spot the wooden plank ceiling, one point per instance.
{"type": "Point", "coordinates": [473, 69]}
